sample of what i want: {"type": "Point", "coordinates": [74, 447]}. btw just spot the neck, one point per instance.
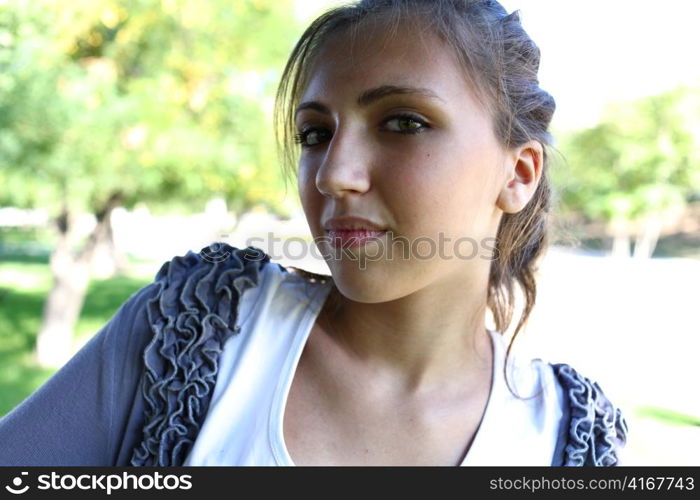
{"type": "Point", "coordinates": [419, 341]}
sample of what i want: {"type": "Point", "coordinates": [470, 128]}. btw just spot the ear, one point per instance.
{"type": "Point", "coordinates": [523, 170]}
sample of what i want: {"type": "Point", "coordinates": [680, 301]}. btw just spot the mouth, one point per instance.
{"type": "Point", "coordinates": [352, 238]}
{"type": "Point", "coordinates": [351, 223]}
{"type": "Point", "coordinates": [350, 231]}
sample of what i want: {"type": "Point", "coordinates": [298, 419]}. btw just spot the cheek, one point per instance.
{"type": "Point", "coordinates": [441, 189]}
{"type": "Point", "coordinates": [429, 176]}
{"type": "Point", "coordinates": [416, 187]}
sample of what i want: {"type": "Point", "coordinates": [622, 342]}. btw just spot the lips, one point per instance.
{"type": "Point", "coordinates": [351, 231]}
{"type": "Point", "coordinates": [352, 223]}
{"type": "Point", "coordinates": [349, 238]}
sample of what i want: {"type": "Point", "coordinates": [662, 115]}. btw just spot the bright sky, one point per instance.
{"type": "Point", "coordinates": [597, 51]}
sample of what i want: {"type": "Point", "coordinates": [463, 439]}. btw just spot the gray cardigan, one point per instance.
{"type": "Point", "coordinates": [138, 392]}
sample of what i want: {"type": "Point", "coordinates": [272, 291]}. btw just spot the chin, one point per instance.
{"type": "Point", "coordinates": [369, 283]}
{"type": "Point", "coordinates": [361, 282]}
{"type": "Point", "coordinates": [364, 295]}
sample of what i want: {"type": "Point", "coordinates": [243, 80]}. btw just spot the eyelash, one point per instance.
{"type": "Point", "coordinates": [300, 138]}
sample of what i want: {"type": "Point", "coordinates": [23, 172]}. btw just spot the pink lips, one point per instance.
{"type": "Point", "coordinates": [348, 231]}
{"type": "Point", "coordinates": [353, 237]}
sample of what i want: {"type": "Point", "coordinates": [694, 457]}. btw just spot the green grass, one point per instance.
{"type": "Point", "coordinates": [667, 416]}
{"type": "Point", "coordinates": [24, 283]}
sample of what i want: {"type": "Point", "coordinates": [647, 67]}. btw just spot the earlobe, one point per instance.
{"type": "Point", "coordinates": [523, 171]}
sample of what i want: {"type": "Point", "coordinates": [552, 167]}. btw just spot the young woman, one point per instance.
{"type": "Point", "coordinates": [423, 175]}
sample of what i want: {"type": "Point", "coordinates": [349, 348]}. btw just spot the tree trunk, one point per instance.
{"type": "Point", "coordinates": [107, 259]}
{"type": "Point", "coordinates": [646, 241]}
{"type": "Point", "coordinates": [621, 245]}
{"type": "Point", "coordinates": [71, 277]}
{"type": "Point", "coordinates": [62, 308]}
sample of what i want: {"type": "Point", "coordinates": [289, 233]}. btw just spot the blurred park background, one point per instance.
{"type": "Point", "coordinates": [135, 130]}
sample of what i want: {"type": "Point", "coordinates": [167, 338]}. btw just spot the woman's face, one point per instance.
{"type": "Point", "coordinates": [391, 132]}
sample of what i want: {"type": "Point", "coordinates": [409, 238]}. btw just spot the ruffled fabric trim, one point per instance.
{"type": "Point", "coordinates": [597, 429]}
{"type": "Point", "coordinates": [191, 317]}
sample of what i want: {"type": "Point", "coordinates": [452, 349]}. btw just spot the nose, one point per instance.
{"type": "Point", "coordinates": [345, 166]}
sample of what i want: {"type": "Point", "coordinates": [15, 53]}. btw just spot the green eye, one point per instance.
{"type": "Point", "coordinates": [311, 137]}
{"type": "Point", "coordinates": [405, 124]}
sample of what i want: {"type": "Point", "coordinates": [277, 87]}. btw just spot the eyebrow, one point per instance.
{"type": "Point", "coordinates": [372, 95]}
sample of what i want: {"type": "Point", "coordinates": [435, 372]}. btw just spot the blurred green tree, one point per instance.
{"type": "Point", "coordinates": [639, 163]}
{"type": "Point", "coordinates": [105, 103]}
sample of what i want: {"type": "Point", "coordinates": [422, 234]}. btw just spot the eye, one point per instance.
{"type": "Point", "coordinates": [406, 124]}
{"type": "Point", "coordinates": [311, 137]}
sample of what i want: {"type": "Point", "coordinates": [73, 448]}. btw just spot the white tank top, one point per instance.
{"type": "Point", "coordinates": [244, 422]}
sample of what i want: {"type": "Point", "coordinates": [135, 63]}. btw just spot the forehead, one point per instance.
{"type": "Point", "coordinates": [376, 54]}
